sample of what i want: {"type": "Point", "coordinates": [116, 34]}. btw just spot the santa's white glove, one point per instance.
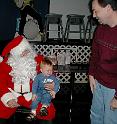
{"type": "Point", "coordinates": [1, 59]}
{"type": "Point", "coordinates": [28, 96]}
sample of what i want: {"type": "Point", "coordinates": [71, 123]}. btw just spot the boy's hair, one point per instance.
{"type": "Point", "coordinates": [104, 3]}
{"type": "Point", "coordinates": [46, 61]}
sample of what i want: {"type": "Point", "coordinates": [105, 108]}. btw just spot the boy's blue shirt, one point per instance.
{"type": "Point", "coordinates": [41, 78]}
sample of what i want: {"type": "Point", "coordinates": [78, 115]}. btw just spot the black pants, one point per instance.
{"type": "Point", "coordinates": [45, 122]}
{"type": "Point", "coordinates": [5, 121]}
{"type": "Point", "coordinates": [30, 11]}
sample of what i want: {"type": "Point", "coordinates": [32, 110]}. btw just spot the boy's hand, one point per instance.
{"type": "Point", "coordinates": [113, 104]}
{"type": "Point", "coordinates": [49, 86]}
{"type": "Point", "coordinates": [52, 93]}
{"type": "Point", "coordinates": [34, 97]}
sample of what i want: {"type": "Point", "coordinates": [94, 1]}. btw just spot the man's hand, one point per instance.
{"type": "Point", "coordinates": [49, 86]}
{"type": "Point", "coordinates": [12, 103]}
{"type": "Point", "coordinates": [113, 104]}
{"type": "Point", "coordinates": [92, 83]}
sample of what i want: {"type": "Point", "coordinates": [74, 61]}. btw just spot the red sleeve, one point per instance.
{"type": "Point", "coordinates": [94, 57]}
{"type": "Point", "coordinates": [4, 78]}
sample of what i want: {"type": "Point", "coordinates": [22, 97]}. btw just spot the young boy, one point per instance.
{"type": "Point", "coordinates": [39, 93]}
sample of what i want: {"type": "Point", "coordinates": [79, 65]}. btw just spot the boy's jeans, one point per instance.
{"type": "Point", "coordinates": [100, 108]}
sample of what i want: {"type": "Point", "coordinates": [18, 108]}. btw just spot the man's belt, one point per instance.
{"type": "Point", "coordinates": [23, 93]}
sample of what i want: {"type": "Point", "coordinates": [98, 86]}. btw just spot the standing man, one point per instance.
{"type": "Point", "coordinates": [103, 63]}
{"type": "Point", "coordinates": [26, 8]}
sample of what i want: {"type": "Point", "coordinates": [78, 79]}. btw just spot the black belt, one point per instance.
{"type": "Point", "coordinates": [23, 93]}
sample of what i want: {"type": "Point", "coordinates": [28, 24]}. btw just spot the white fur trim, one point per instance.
{"type": "Point", "coordinates": [22, 87]}
{"type": "Point", "coordinates": [14, 93]}
{"type": "Point", "coordinates": [6, 97]}
{"type": "Point", "coordinates": [24, 45]}
{"type": "Point", "coordinates": [26, 86]}
{"type": "Point", "coordinates": [28, 96]}
{"type": "Point", "coordinates": [17, 87]}
{"type": "Point", "coordinates": [1, 59]}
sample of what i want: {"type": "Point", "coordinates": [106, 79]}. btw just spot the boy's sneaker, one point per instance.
{"type": "Point", "coordinates": [43, 111]}
{"type": "Point", "coordinates": [30, 117]}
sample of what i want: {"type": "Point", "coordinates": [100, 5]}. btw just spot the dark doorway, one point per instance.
{"type": "Point", "coordinates": [42, 7]}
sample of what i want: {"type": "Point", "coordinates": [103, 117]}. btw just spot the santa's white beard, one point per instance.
{"type": "Point", "coordinates": [23, 68]}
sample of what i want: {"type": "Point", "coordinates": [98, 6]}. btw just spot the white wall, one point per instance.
{"type": "Point", "coordinates": [69, 7]}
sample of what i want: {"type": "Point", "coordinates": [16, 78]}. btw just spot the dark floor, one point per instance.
{"type": "Point", "coordinates": [74, 111]}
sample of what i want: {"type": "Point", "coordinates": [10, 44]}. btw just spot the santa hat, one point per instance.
{"type": "Point", "coordinates": [16, 46]}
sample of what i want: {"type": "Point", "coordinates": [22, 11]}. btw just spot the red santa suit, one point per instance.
{"type": "Point", "coordinates": [16, 77]}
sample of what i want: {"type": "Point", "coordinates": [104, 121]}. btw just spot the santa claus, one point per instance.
{"type": "Point", "coordinates": [17, 72]}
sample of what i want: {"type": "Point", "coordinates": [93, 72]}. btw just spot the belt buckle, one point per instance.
{"type": "Point", "coordinates": [23, 93]}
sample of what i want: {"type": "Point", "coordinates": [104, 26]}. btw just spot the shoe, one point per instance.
{"type": "Point", "coordinates": [30, 117]}
{"type": "Point", "coordinates": [43, 111]}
